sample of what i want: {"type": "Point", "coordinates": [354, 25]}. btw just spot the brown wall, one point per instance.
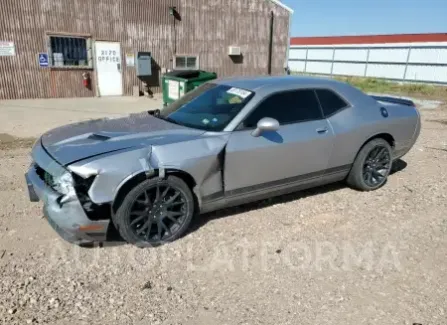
{"type": "Point", "coordinates": [206, 28]}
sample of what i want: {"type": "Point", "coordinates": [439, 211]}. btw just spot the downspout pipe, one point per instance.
{"type": "Point", "coordinates": [270, 43]}
{"type": "Point", "coordinates": [286, 64]}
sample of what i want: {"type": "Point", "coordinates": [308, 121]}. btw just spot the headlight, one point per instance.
{"type": "Point", "coordinates": [64, 184]}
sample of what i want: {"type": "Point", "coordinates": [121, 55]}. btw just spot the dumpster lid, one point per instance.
{"type": "Point", "coordinates": [187, 74]}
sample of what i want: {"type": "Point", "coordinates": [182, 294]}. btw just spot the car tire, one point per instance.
{"type": "Point", "coordinates": [371, 166]}
{"type": "Point", "coordinates": [141, 208]}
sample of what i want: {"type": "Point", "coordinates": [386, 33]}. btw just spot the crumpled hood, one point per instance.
{"type": "Point", "coordinates": [75, 142]}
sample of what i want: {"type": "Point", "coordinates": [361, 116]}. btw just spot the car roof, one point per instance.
{"type": "Point", "coordinates": [256, 83]}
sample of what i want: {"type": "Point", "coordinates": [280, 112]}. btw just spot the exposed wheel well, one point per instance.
{"type": "Point", "coordinates": [137, 179]}
{"type": "Point", "coordinates": [385, 136]}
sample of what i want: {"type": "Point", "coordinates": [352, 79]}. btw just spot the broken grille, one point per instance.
{"type": "Point", "coordinates": [46, 177]}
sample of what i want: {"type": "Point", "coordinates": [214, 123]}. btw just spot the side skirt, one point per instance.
{"type": "Point", "coordinates": [249, 194]}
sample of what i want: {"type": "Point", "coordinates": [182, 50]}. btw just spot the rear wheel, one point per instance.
{"type": "Point", "coordinates": [371, 166]}
{"type": "Point", "coordinates": [155, 212]}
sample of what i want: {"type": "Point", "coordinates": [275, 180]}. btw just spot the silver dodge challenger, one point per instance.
{"type": "Point", "coordinates": [226, 143]}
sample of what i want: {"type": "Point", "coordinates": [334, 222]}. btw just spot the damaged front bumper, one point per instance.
{"type": "Point", "coordinates": [68, 219]}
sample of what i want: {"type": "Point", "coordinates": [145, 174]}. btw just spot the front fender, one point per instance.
{"type": "Point", "coordinates": [202, 159]}
{"type": "Point", "coordinates": [112, 171]}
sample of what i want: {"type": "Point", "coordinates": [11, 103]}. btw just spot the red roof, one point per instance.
{"type": "Point", "coordinates": [369, 39]}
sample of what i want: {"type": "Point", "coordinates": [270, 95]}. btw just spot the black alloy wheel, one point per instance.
{"type": "Point", "coordinates": [155, 212]}
{"type": "Point", "coordinates": [371, 166]}
{"type": "Point", "coordinates": [158, 213]}
{"type": "Point", "coordinates": [377, 166]}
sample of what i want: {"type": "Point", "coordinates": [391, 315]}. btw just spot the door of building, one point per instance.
{"type": "Point", "coordinates": [109, 68]}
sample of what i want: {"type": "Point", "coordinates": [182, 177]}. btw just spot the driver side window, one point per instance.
{"type": "Point", "coordinates": [286, 107]}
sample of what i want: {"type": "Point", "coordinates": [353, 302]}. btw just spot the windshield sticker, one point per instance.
{"type": "Point", "coordinates": [205, 121]}
{"type": "Point", "coordinates": [239, 92]}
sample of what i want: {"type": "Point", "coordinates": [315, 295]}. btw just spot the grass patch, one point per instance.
{"type": "Point", "coordinates": [385, 86]}
{"type": "Point", "coordinates": [376, 85]}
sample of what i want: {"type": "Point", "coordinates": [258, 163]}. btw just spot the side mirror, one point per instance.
{"type": "Point", "coordinates": [265, 124]}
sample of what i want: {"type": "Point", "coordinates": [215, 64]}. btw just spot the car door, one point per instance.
{"type": "Point", "coordinates": [338, 112]}
{"type": "Point", "coordinates": [297, 153]}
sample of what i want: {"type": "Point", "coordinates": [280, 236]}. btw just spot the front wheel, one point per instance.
{"type": "Point", "coordinates": [371, 166]}
{"type": "Point", "coordinates": [155, 212]}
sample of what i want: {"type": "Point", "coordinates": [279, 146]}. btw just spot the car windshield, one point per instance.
{"type": "Point", "coordinates": [209, 107]}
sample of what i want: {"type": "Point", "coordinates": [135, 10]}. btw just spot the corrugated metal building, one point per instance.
{"type": "Point", "coordinates": [47, 45]}
{"type": "Point", "coordinates": [405, 57]}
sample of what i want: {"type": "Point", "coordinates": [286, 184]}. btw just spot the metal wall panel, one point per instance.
{"type": "Point", "coordinates": [351, 55]}
{"type": "Point", "coordinates": [349, 69]}
{"type": "Point", "coordinates": [427, 73]}
{"type": "Point", "coordinates": [388, 55]}
{"type": "Point", "coordinates": [297, 66]}
{"type": "Point", "coordinates": [392, 71]}
{"type": "Point", "coordinates": [317, 54]}
{"type": "Point", "coordinates": [318, 67]}
{"type": "Point", "coordinates": [205, 28]}
{"type": "Point", "coordinates": [297, 54]}
{"type": "Point", "coordinates": [428, 55]}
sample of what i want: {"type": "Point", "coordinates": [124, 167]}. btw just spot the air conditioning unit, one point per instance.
{"type": "Point", "coordinates": [234, 50]}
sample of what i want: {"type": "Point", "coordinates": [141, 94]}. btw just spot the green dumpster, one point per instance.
{"type": "Point", "coordinates": [178, 82]}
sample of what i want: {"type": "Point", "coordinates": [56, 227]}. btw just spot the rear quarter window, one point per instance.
{"type": "Point", "coordinates": [330, 102]}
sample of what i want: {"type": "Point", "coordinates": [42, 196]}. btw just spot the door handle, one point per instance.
{"type": "Point", "coordinates": [322, 131]}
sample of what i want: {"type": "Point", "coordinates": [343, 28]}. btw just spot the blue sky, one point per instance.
{"type": "Point", "coordinates": [363, 17]}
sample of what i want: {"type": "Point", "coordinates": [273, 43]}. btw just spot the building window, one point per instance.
{"type": "Point", "coordinates": [183, 62]}
{"type": "Point", "coordinates": [68, 51]}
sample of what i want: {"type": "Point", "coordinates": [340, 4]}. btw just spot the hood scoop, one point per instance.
{"type": "Point", "coordinates": [155, 112]}
{"type": "Point", "coordinates": [98, 137]}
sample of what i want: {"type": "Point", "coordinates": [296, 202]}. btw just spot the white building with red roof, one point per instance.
{"type": "Point", "coordinates": [404, 57]}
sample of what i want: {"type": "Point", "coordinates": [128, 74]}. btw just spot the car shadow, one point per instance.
{"type": "Point", "coordinates": [247, 207]}
{"type": "Point", "coordinates": [273, 136]}
{"type": "Point", "coordinates": [398, 166]}
{"type": "Point", "coordinates": [202, 220]}
{"type": "Point", "coordinates": [114, 238]}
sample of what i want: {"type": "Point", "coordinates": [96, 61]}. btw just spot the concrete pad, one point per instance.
{"type": "Point", "coordinates": [30, 118]}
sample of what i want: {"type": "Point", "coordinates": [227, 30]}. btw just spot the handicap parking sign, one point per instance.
{"type": "Point", "coordinates": [43, 59]}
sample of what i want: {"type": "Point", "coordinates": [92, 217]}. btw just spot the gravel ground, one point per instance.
{"type": "Point", "coordinates": [326, 256]}
{"type": "Point", "coordinates": [30, 117]}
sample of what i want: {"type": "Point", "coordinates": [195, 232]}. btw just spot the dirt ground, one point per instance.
{"type": "Point", "coordinates": [325, 256]}
{"type": "Point", "coordinates": [30, 117]}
